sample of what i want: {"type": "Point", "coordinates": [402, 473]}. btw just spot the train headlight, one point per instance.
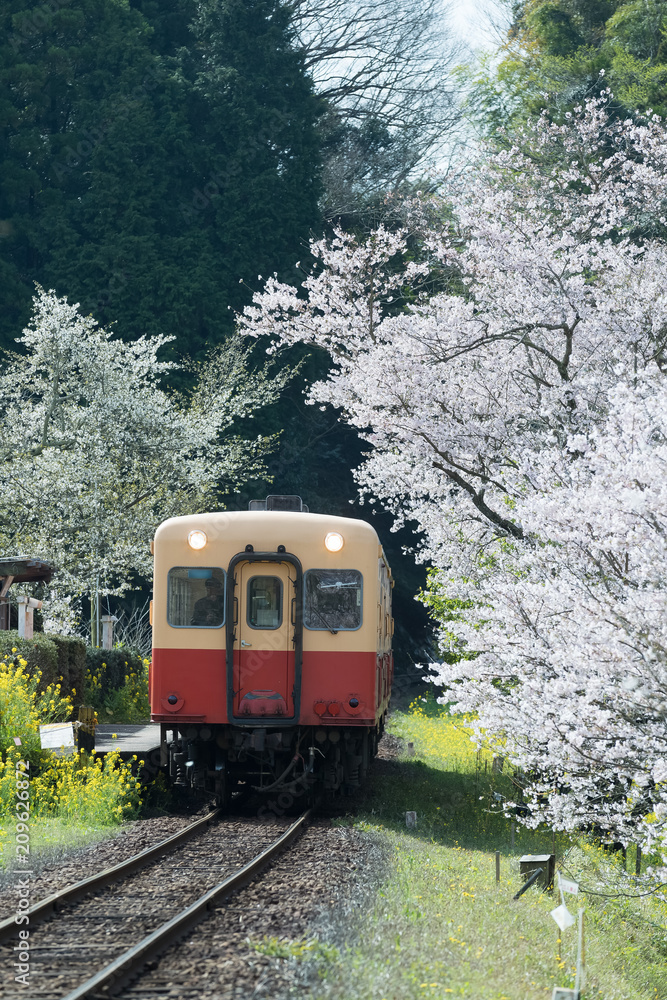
{"type": "Point", "coordinates": [334, 541]}
{"type": "Point", "coordinates": [197, 539]}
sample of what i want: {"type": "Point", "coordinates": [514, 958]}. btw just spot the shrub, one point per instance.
{"type": "Point", "coordinates": [111, 666]}
{"type": "Point", "coordinates": [113, 681]}
{"type": "Point", "coordinates": [118, 695]}
{"type": "Point", "coordinates": [39, 653]}
{"type": "Point", "coordinates": [54, 659]}
{"type": "Point", "coordinates": [71, 665]}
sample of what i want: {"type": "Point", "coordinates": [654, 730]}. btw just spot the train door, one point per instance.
{"type": "Point", "coordinates": [263, 682]}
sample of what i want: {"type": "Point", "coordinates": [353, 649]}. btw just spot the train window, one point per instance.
{"type": "Point", "coordinates": [196, 597]}
{"type": "Point", "coordinates": [265, 602]}
{"type": "Point", "coordinates": [332, 599]}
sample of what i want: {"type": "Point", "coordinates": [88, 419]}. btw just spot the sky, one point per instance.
{"type": "Point", "coordinates": [472, 21]}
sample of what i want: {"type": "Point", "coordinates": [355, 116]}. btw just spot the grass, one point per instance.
{"type": "Point", "coordinates": [441, 927]}
{"type": "Point", "coordinates": [49, 837]}
{"type": "Point", "coordinates": [299, 950]}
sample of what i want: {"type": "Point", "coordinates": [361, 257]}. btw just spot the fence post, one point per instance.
{"type": "Point", "coordinates": [580, 977]}
{"type": "Point", "coordinates": [107, 631]}
{"type": "Point", "coordinates": [27, 606]}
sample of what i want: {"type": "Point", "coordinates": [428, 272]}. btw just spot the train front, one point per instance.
{"type": "Point", "coordinates": [271, 649]}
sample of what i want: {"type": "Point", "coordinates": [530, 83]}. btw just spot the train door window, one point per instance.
{"type": "Point", "coordinates": [196, 597]}
{"type": "Point", "coordinates": [265, 602]}
{"type": "Point", "coordinates": [332, 599]}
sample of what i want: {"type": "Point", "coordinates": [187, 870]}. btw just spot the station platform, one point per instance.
{"type": "Point", "coordinates": [127, 740]}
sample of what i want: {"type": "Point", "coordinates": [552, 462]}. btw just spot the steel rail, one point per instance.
{"type": "Point", "coordinates": [128, 965]}
{"type": "Point", "coordinates": [50, 904]}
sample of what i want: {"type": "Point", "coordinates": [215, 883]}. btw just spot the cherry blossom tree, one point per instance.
{"type": "Point", "coordinates": [510, 416]}
{"type": "Point", "coordinates": [571, 671]}
{"type": "Point", "coordinates": [95, 452]}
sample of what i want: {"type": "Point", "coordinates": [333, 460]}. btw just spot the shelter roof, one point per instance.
{"type": "Point", "coordinates": [24, 569]}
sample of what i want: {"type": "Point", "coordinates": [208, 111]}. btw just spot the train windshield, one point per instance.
{"type": "Point", "coordinates": [332, 599]}
{"type": "Point", "coordinates": [196, 597]}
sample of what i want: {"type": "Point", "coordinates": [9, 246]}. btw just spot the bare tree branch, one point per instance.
{"type": "Point", "coordinates": [384, 69]}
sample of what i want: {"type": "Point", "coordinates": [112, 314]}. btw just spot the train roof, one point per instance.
{"type": "Point", "coordinates": [228, 524]}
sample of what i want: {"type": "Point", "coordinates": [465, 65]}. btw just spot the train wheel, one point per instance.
{"type": "Point", "coordinates": [224, 787]}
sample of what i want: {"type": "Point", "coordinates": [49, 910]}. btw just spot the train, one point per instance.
{"type": "Point", "coordinates": [272, 663]}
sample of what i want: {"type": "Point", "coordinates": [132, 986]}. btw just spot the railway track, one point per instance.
{"type": "Point", "coordinates": [98, 935]}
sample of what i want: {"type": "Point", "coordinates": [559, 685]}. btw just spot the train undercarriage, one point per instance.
{"type": "Point", "coordinates": [288, 762]}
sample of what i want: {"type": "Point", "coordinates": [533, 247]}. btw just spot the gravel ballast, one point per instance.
{"type": "Point", "coordinates": [265, 941]}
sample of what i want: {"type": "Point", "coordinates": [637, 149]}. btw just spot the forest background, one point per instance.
{"type": "Point", "coordinates": [162, 164]}
{"type": "Point", "coordinates": [157, 159]}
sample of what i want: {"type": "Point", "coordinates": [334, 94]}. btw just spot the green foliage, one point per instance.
{"type": "Point", "coordinates": [116, 685]}
{"type": "Point", "coordinates": [561, 51]}
{"type": "Point", "coordinates": [153, 159]}
{"type": "Point", "coordinates": [71, 665]}
{"type": "Point", "coordinates": [111, 666]}
{"type": "Point", "coordinates": [638, 28]}
{"type": "Point", "coordinates": [642, 83]}
{"type": "Point", "coordinates": [40, 654]}
{"type": "Point", "coordinates": [444, 609]}
{"type": "Point", "coordinates": [52, 659]}
{"type": "Point", "coordinates": [555, 28]}
{"type": "Point", "coordinates": [113, 681]}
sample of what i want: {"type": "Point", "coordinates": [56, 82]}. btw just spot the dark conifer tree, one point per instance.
{"type": "Point", "coordinates": [156, 156]}
{"type": "Point", "coordinates": [153, 158]}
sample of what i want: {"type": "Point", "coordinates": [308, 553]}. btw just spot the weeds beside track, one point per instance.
{"type": "Point", "coordinates": [442, 927]}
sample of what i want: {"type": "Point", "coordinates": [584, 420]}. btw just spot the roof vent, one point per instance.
{"type": "Point", "coordinates": [279, 503]}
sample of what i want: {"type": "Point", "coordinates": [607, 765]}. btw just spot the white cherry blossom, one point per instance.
{"type": "Point", "coordinates": [519, 417]}
{"type": "Point", "coordinates": [95, 453]}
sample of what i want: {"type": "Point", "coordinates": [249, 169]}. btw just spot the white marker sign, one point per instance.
{"type": "Point", "coordinates": [567, 885]}
{"type": "Point", "coordinates": [57, 736]}
{"type": "Point", "coordinates": [562, 916]}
